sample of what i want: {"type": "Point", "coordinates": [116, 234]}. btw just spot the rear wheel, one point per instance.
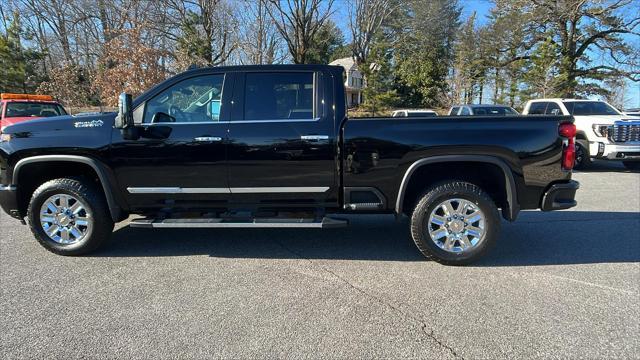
{"type": "Point", "coordinates": [69, 216]}
{"type": "Point", "coordinates": [631, 165]}
{"type": "Point", "coordinates": [583, 158]}
{"type": "Point", "coordinates": [455, 223]}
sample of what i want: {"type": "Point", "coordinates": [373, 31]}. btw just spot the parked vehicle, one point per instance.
{"type": "Point", "coordinates": [414, 113]}
{"type": "Point", "coordinates": [632, 112]}
{"type": "Point", "coordinates": [482, 110]}
{"type": "Point", "coordinates": [603, 132]}
{"type": "Point", "coordinates": [271, 146]}
{"type": "Point", "coordinates": [15, 108]}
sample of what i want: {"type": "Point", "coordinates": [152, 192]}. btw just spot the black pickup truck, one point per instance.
{"type": "Point", "coordinates": [271, 146]}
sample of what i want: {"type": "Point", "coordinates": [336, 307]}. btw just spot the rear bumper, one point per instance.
{"type": "Point", "coordinates": [9, 200]}
{"type": "Point", "coordinates": [560, 196]}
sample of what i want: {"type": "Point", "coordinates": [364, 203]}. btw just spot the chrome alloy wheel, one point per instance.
{"type": "Point", "coordinates": [65, 219]}
{"type": "Point", "coordinates": [457, 225]}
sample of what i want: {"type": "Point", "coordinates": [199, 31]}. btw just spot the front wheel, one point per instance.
{"type": "Point", "coordinates": [455, 223]}
{"type": "Point", "coordinates": [583, 158]}
{"type": "Point", "coordinates": [69, 216]}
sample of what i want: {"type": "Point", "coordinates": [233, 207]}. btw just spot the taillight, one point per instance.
{"type": "Point", "coordinates": [568, 131]}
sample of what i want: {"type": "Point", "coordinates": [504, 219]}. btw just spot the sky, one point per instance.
{"type": "Point", "coordinates": [482, 9]}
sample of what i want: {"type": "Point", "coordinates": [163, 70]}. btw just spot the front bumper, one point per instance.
{"type": "Point", "coordinates": [560, 196]}
{"type": "Point", "coordinates": [9, 200]}
{"type": "Point", "coordinates": [609, 151]}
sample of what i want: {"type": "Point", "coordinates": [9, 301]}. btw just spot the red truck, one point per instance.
{"type": "Point", "coordinates": [15, 108]}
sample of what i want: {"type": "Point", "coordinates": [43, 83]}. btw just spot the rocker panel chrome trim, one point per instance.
{"type": "Point", "coordinates": [244, 190]}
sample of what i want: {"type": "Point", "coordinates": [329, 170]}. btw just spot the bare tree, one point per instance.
{"type": "Point", "coordinates": [298, 21]}
{"type": "Point", "coordinates": [207, 33]}
{"type": "Point", "coordinates": [581, 30]}
{"type": "Point", "coordinates": [55, 14]}
{"type": "Point", "coordinates": [260, 41]}
{"type": "Point", "coordinates": [365, 18]}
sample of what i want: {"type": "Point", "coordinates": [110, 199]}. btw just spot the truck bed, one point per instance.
{"type": "Point", "coordinates": [379, 151]}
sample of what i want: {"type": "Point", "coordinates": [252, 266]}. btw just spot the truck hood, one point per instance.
{"type": "Point", "coordinates": [603, 119]}
{"type": "Point", "coordinates": [62, 123]}
{"type": "Point", "coordinates": [14, 120]}
{"type": "Point", "coordinates": [61, 134]}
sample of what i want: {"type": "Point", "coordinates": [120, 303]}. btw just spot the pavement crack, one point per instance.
{"type": "Point", "coordinates": [423, 326]}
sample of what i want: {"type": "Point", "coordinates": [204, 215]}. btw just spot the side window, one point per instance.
{"type": "Point", "coordinates": [196, 99]}
{"type": "Point", "coordinates": [278, 96]}
{"type": "Point", "coordinates": [553, 109]}
{"type": "Point", "coordinates": [454, 110]}
{"type": "Point", "coordinates": [465, 111]}
{"type": "Point", "coordinates": [537, 108]}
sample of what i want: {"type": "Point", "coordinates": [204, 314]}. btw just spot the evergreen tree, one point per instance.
{"type": "Point", "coordinates": [327, 45]}
{"type": "Point", "coordinates": [19, 73]}
{"type": "Point", "coordinates": [424, 53]}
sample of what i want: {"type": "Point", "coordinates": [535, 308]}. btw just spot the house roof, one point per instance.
{"type": "Point", "coordinates": [348, 63]}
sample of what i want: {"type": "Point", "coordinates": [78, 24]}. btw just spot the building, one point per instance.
{"type": "Point", "coordinates": [354, 83]}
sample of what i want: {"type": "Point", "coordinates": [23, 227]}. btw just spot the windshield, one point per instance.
{"type": "Point", "coordinates": [589, 108]}
{"type": "Point", "coordinates": [27, 109]}
{"type": "Point", "coordinates": [494, 110]}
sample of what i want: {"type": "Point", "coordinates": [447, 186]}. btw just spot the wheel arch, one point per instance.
{"type": "Point", "coordinates": [511, 198]}
{"type": "Point", "coordinates": [100, 172]}
{"type": "Point", "coordinates": [581, 135]}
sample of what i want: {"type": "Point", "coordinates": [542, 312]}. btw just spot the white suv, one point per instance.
{"type": "Point", "coordinates": [603, 132]}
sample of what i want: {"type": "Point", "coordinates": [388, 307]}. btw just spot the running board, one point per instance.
{"type": "Point", "coordinates": [325, 223]}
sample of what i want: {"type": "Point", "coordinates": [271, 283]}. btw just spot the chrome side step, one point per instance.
{"type": "Point", "coordinates": [325, 223]}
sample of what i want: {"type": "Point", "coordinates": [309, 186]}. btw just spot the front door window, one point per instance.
{"type": "Point", "coordinates": [193, 100]}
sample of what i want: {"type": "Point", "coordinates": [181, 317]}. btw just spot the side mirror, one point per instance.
{"type": "Point", "coordinates": [124, 119]}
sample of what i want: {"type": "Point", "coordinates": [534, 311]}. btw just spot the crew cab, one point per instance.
{"type": "Point", "coordinates": [271, 146]}
{"type": "Point", "coordinates": [15, 108]}
{"type": "Point", "coordinates": [603, 132]}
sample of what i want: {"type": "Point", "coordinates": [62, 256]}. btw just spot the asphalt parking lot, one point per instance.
{"type": "Point", "coordinates": [558, 285]}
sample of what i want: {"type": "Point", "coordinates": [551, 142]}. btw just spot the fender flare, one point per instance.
{"type": "Point", "coordinates": [105, 181]}
{"type": "Point", "coordinates": [512, 196]}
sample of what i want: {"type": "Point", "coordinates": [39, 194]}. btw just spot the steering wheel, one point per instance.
{"type": "Point", "coordinates": [175, 112]}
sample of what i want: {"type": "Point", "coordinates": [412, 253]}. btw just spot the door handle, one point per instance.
{"type": "Point", "coordinates": [207, 138]}
{"type": "Point", "coordinates": [314, 137]}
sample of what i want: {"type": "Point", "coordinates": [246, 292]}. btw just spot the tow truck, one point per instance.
{"type": "Point", "coordinates": [15, 108]}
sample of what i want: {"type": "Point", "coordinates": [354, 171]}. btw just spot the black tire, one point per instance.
{"type": "Point", "coordinates": [96, 207]}
{"type": "Point", "coordinates": [433, 197]}
{"type": "Point", "coordinates": [583, 158]}
{"type": "Point", "coordinates": [631, 165]}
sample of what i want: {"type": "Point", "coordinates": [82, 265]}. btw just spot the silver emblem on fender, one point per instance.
{"type": "Point", "coordinates": [88, 124]}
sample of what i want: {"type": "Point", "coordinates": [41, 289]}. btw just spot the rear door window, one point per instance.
{"type": "Point", "coordinates": [279, 96]}
{"type": "Point", "coordinates": [537, 108]}
{"type": "Point", "coordinates": [553, 109]}
{"type": "Point", "coordinates": [465, 111]}
{"type": "Point", "coordinates": [421, 114]}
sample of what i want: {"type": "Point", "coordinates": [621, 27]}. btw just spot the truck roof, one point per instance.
{"type": "Point", "coordinates": [28, 98]}
{"type": "Point", "coordinates": [482, 105]}
{"type": "Point", "coordinates": [30, 101]}
{"type": "Point", "coordinates": [561, 99]}
{"type": "Point", "coordinates": [273, 67]}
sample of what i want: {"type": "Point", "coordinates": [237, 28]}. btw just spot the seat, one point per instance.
{"type": "Point", "coordinates": [48, 113]}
